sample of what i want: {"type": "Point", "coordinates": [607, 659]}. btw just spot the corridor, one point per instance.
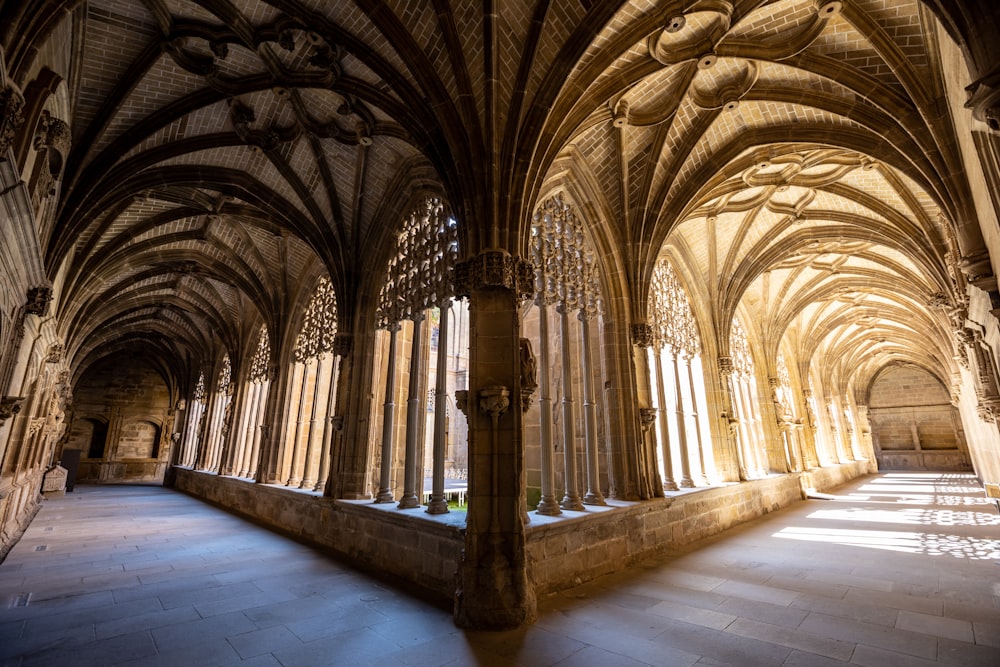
{"type": "Point", "coordinates": [893, 569]}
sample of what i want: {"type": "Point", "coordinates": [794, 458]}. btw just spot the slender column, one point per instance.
{"type": "Point", "coordinates": [438, 504]}
{"type": "Point", "coordinates": [328, 428]}
{"type": "Point", "coordinates": [726, 371]}
{"type": "Point", "coordinates": [686, 481]}
{"type": "Point", "coordinates": [648, 479]}
{"type": "Point", "coordinates": [570, 501]}
{"type": "Point", "coordinates": [259, 429]}
{"type": "Point", "coordinates": [661, 405]}
{"type": "Point", "coordinates": [593, 495]}
{"type": "Point", "coordinates": [293, 473]}
{"type": "Point", "coordinates": [696, 417]}
{"type": "Point", "coordinates": [547, 504]}
{"type": "Point", "coordinates": [752, 447]}
{"type": "Point", "coordinates": [315, 432]}
{"type": "Point", "coordinates": [233, 458]}
{"type": "Point", "coordinates": [409, 499]}
{"type": "Point", "coordinates": [388, 421]}
{"type": "Point", "coordinates": [243, 467]}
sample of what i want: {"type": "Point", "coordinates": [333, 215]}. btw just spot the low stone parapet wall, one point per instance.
{"type": "Point", "coordinates": [583, 545]}
{"type": "Point", "coordinates": [405, 546]}
{"type": "Point", "coordinates": [423, 551]}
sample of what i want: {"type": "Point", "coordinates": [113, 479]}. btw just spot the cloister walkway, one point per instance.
{"type": "Point", "coordinates": [893, 569]}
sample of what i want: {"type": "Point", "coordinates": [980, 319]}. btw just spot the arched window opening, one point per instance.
{"type": "Point", "coordinates": [749, 433]}
{"type": "Point", "coordinates": [424, 350]}
{"type": "Point", "coordinates": [678, 384]}
{"type": "Point", "coordinates": [567, 282]}
{"type": "Point", "coordinates": [246, 448]}
{"type": "Point", "coordinates": [315, 371]}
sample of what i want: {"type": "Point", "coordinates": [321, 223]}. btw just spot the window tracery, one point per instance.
{"type": "Point", "coordinates": [225, 376]}
{"type": "Point", "coordinates": [199, 389]}
{"type": "Point", "coordinates": [565, 274]}
{"type": "Point", "coordinates": [677, 382]}
{"type": "Point", "coordinates": [261, 358]}
{"type": "Point", "coordinates": [674, 326]}
{"type": "Point", "coordinates": [739, 350]}
{"type": "Point", "coordinates": [566, 277]}
{"type": "Point", "coordinates": [419, 281]}
{"type": "Point", "coordinates": [420, 273]}
{"type": "Point", "coordinates": [319, 325]}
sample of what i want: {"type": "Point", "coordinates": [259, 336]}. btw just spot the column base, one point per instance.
{"type": "Point", "coordinates": [384, 497]}
{"type": "Point", "coordinates": [437, 506]}
{"type": "Point", "coordinates": [408, 502]}
{"type": "Point", "coordinates": [548, 506]}
{"type": "Point", "coordinates": [594, 499]}
{"type": "Point", "coordinates": [573, 504]}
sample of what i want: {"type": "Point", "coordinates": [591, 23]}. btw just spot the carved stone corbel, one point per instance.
{"type": "Point", "coordinates": [9, 406]}
{"type": "Point", "coordinates": [37, 301]}
{"type": "Point", "coordinates": [11, 118]}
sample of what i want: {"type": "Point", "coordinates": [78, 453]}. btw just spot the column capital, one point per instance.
{"type": "Point", "coordinates": [37, 300]}
{"type": "Point", "coordinates": [495, 268]}
{"type": "Point", "coordinates": [642, 334]}
{"type": "Point", "coordinates": [647, 416]}
{"type": "Point", "coordinates": [983, 98]}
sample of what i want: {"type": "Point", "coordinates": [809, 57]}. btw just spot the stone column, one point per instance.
{"type": "Point", "coordinates": [686, 481]}
{"type": "Point", "coordinates": [494, 590]}
{"type": "Point", "coordinates": [661, 410]}
{"type": "Point", "coordinates": [300, 419]}
{"type": "Point", "coordinates": [250, 437]}
{"type": "Point", "coordinates": [650, 483]}
{"type": "Point", "coordinates": [438, 504]}
{"type": "Point", "coordinates": [388, 421]}
{"type": "Point", "coordinates": [593, 495]}
{"type": "Point", "coordinates": [326, 449]}
{"type": "Point", "coordinates": [315, 436]}
{"type": "Point", "coordinates": [726, 370]}
{"type": "Point", "coordinates": [547, 504]}
{"type": "Point", "coordinates": [696, 419]}
{"type": "Point", "coordinates": [571, 500]}
{"type": "Point", "coordinates": [414, 434]}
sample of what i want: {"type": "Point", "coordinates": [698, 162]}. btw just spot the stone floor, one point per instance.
{"type": "Point", "coordinates": [895, 569]}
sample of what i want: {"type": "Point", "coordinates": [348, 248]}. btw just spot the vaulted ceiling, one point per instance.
{"type": "Point", "coordinates": [795, 159]}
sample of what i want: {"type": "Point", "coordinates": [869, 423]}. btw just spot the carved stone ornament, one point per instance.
{"type": "Point", "coordinates": [494, 400]}
{"type": "Point", "coordinates": [984, 100]}
{"type": "Point", "coordinates": [642, 334]}
{"type": "Point", "coordinates": [726, 366]}
{"type": "Point", "coordinates": [494, 269]}
{"type": "Point", "coordinates": [11, 118]}
{"type": "Point", "coordinates": [646, 417]}
{"type": "Point", "coordinates": [55, 353]}
{"type": "Point", "coordinates": [462, 400]}
{"type": "Point", "coordinates": [528, 367]}
{"type": "Point", "coordinates": [9, 406]}
{"type": "Point", "coordinates": [37, 302]}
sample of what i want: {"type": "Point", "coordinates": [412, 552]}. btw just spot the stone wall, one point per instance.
{"type": "Point", "coordinates": [913, 423]}
{"type": "Point", "coordinates": [423, 551]}
{"type": "Point", "coordinates": [128, 405]}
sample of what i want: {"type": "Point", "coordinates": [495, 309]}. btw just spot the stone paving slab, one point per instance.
{"type": "Point", "coordinates": [146, 576]}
